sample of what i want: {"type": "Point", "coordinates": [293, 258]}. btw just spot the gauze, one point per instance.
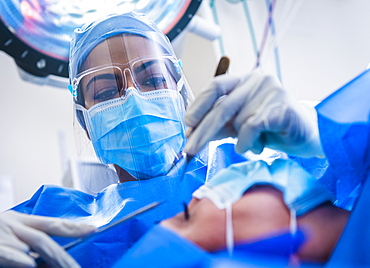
{"type": "Point", "coordinates": [301, 191]}
{"type": "Point", "coordinates": [143, 132]}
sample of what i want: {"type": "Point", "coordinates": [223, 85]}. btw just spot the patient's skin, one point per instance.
{"type": "Point", "coordinates": [259, 213]}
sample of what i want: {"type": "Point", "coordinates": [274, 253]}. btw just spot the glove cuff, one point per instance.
{"type": "Point", "coordinates": [313, 144]}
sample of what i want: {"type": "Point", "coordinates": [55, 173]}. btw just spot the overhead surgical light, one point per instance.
{"type": "Point", "coordinates": [36, 33]}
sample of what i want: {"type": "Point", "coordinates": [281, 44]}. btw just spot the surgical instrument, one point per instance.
{"type": "Point", "coordinates": [41, 262]}
{"type": "Point", "coordinates": [222, 67]}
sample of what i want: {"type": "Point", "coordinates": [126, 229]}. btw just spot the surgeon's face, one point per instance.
{"type": "Point", "coordinates": [259, 212]}
{"type": "Point", "coordinates": [124, 61]}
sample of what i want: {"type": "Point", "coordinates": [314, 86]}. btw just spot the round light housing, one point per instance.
{"type": "Point", "coordinates": [37, 33]}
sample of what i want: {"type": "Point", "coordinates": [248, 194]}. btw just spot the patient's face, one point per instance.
{"type": "Point", "coordinates": [259, 212]}
{"type": "Point", "coordinates": [205, 225]}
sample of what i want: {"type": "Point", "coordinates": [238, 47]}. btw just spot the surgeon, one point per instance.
{"type": "Point", "coordinates": [130, 98]}
{"type": "Point", "coordinates": [130, 95]}
{"type": "Point", "coordinates": [252, 212]}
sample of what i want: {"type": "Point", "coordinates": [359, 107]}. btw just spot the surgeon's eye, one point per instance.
{"type": "Point", "coordinates": [103, 87]}
{"type": "Point", "coordinates": [106, 94]}
{"type": "Point", "coordinates": [186, 211]}
{"type": "Point", "coordinates": [155, 82]}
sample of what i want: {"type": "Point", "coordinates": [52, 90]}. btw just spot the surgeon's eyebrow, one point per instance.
{"type": "Point", "coordinates": [100, 77]}
{"type": "Point", "coordinates": [145, 65]}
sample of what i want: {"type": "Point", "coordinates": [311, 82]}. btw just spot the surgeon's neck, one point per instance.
{"type": "Point", "coordinates": [123, 175]}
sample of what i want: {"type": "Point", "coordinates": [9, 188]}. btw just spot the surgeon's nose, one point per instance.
{"type": "Point", "coordinates": [129, 81]}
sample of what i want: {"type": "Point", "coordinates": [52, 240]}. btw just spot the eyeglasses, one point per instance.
{"type": "Point", "coordinates": [106, 82]}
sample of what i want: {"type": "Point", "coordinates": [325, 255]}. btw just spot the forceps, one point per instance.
{"type": "Point", "coordinates": [41, 262]}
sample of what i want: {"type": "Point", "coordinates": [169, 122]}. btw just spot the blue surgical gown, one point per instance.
{"type": "Point", "coordinates": [118, 200]}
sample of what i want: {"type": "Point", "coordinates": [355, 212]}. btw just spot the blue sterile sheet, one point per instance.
{"type": "Point", "coordinates": [161, 247]}
{"type": "Point", "coordinates": [344, 122]}
{"type": "Point", "coordinates": [344, 125]}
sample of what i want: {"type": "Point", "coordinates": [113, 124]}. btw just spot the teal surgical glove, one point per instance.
{"type": "Point", "coordinates": [20, 233]}
{"type": "Point", "coordinates": [256, 109]}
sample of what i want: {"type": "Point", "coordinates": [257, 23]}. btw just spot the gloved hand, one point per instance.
{"type": "Point", "coordinates": [256, 109]}
{"type": "Point", "coordinates": [20, 232]}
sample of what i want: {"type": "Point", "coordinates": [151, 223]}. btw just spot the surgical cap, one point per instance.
{"type": "Point", "coordinates": [87, 37]}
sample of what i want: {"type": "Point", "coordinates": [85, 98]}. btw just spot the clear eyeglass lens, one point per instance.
{"type": "Point", "coordinates": [155, 74]}
{"type": "Point", "coordinates": [110, 82]}
{"type": "Point", "coordinates": [102, 85]}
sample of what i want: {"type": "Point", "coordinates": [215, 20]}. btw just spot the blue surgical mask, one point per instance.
{"type": "Point", "coordinates": [301, 191]}
{"type": "Point", "coordinates": [142, 132]}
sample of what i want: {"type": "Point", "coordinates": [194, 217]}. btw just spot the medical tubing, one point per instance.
{"type": "Point", "coordinates": [215, 17]}
{"type": "Point", "coordinates": [276, 50]}
{"type": "Point", "coordinates": [265, 34]}
{"type": "Point", "coordinates": [290, 9]}
{"type": "Point", "coordinates": [250, 26]}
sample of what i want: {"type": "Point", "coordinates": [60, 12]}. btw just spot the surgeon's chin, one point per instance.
{"type": "Point", "coordinates": [123, 175]}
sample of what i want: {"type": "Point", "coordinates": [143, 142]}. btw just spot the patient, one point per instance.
{"type": "Point", "coordinates": [268, 203]}
{"type": "Point", "coordinates": [260, 213]}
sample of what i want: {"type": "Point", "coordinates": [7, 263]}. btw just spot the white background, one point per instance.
{"type": "Point", "coordinates": [326, 44]}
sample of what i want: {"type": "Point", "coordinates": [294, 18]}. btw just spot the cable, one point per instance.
{"type": "Point", "coordinates": [215, 17]}
{"type": "Point", "coordinates": [276, 50]}
{"type": "Point", "coordinates": [290, 9]}
{"type": "Point", "coordinates": [265, 33]}
{"type": "Point", "coordinates": [250, 26]}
